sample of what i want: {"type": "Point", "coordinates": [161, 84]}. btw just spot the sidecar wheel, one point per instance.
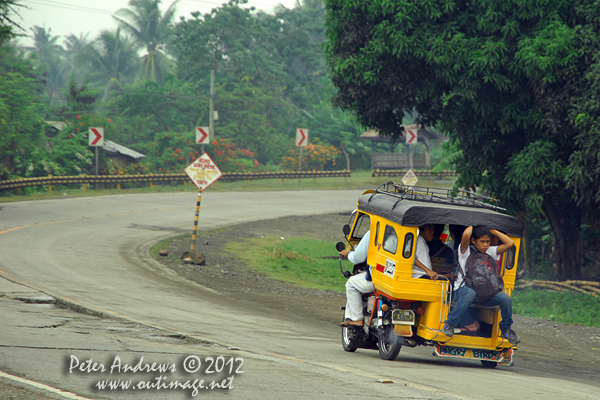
{"type": "Point", "coordinates": [389, 346]}
{"type": "Point", "coordinates": [489, 364]}
{"type": "Point", "coordinates": [349, 339]}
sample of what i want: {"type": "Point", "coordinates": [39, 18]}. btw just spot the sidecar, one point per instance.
{"type": "Point", "coordinates": [407, 311]}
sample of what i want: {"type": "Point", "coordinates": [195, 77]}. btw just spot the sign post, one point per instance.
{"type": "Point", "coordinates": [203, 172]}
{"type": "Point", "coordinates": [411, 139]}
{"type": "Point", "coordinates": [96, 139]}
{"type": "Point", "coordinates": [302, 142]}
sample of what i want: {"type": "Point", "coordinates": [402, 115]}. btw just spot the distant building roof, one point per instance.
{"type": "Point", "coordinates": [113, 147]}
{"type": "Point", "coordinates": [59, 125]}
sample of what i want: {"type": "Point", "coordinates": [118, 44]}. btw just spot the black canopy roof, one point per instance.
{"type": "Point", "coordinates": [411, 212]}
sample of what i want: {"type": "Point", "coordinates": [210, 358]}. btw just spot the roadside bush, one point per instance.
{"type": "Point", "coordinates": [315, 156]}
{"type": "Point", "coordinates": [230, 158]}
{"type": "Point", "coordinates": [171, 152]}
{"type": "Point", "coordinates": [67, 154]}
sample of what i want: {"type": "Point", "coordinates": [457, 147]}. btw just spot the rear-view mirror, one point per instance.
{"type": "Point", "coordinates": [346, 229]}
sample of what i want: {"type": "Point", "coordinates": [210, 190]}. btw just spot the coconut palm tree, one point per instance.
{"type": "Point", "coordinates": [113, 59]}
{"type": "Point", "coordinates": [50, 56]}
{"type": "Point", "coordinates": [148, 27]}
{"type": "Point", "coordinates": [77, 51]}
{"type": "Point", "coordinates": [6, 21]}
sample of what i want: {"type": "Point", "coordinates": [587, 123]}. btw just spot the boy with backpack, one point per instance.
{"type": "Point", "coordinates": [479, 280]}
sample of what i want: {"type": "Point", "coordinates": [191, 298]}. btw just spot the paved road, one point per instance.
{"type": "Point", "coordinates": [93, 252]}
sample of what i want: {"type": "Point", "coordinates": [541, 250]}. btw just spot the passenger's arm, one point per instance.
{"type": "Point", "coordinates": [507, 242]}
{"type": "Point", "coordinates": [432, 274]}
{"type": "Point", "coordinates": [465, 241]}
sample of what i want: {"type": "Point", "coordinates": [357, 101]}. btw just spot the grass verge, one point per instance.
{"type": "Point", "coordinates": [568, 308]}
{"type": "Point", "coordinates": [303, 262]}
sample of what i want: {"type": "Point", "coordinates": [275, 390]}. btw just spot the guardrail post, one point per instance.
{"type": "Point", "coordinates": [281, 181]}
{"type": "Point", "coordinates": [49, 185]}
{"type": "Point", "coordinates": [118, 186]}
{"type": "Point", "coordinates": [249, 182]}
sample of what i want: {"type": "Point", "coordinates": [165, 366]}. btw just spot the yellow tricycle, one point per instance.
{"type": "Point", "coordinates": [407, 311]}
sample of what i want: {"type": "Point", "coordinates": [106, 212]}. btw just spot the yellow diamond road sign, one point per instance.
{"type": "Point", "coordinates": [203, 172]}
{"type": "Point", "coordinates": [410, 179]}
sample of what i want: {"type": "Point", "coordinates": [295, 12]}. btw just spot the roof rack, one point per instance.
{"type": "Point", "coordinates": [438, 195]}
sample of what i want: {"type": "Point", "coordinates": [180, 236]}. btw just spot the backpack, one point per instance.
{"type": "Point", "coordinates": [481, 275]}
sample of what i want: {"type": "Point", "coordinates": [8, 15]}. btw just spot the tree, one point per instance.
{"type": "Point", "coordinates": [145, 108]}
{"type": "Point", "coordinates": [6, 22]}
{"type": "Point", "coordinates": [49, 54]}
{"type": "Point", "coordinates": [113, 59]}
{"type": "Point", "coordinates": [20, 122]}
{"type": "Point", "coordinates": [77, 51]}
{"type": "Point", "coordinates": [222, 38]}
{"type": "Point", "coordinates": [504, 78]}
{"type": "Point", "coordinates": [144, 21]}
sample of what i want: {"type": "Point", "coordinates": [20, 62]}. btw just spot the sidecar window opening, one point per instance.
{"type": "Point", "coordinates": [390, 240]}
{"type": "Point", "coordinates": [509, 259]}
{"type": "Point", "coordinates": [362, 226]}
{"type": "Point", "coordinates": [408, 245]}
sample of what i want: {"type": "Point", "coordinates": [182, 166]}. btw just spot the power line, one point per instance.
{"type": "Point", "coordinates": [75, 7]}
{"type": "Point", "coordinates": [251, 3]}
{"type": "Point", "coordinates": [68, 6]}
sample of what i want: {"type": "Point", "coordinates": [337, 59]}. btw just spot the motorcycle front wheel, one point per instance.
{"type": "Point", "coordinates": [389, 345]}
{"type": "Point", "coordinates": [349, 339]}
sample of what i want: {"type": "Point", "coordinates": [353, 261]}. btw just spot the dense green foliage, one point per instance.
{"type": "Point", "coordinates": [510, 81]}
{"type": "Point", "coordinates": [147, 83]}
{"type": "Point", "coordinates": [270, 76]}
{"type": "Point", "coordinates": [20, 123]}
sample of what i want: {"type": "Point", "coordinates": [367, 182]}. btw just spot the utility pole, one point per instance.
{"type": "Point", "coordinates": [211, 116]}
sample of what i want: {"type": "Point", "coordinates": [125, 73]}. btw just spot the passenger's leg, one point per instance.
{"type": "Point", "coordinates": [504, 301]}
{"type": "Point", "coordinates": [463, 299]}
{"type": "Point", "coordinates": [355, 287]}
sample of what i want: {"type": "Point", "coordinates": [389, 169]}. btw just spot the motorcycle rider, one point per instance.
{"type": "Point", "coordinates": [361, 283]}
{"type": "Point", "coordinates": [357, 284]}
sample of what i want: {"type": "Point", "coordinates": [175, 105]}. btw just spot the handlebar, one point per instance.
{"type": "Point", "coordinates": [347, 274]}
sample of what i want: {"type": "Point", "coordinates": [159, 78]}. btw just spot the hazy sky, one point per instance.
{"type": "Point", "coordinates": [64, 17]}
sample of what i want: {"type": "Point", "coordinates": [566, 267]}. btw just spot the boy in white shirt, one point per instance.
{"type": "Point", "coordinates": [422, 265]}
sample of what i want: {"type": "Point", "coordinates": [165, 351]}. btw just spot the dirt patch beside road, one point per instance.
{"type": "Point", "coordinates": [547, 348]}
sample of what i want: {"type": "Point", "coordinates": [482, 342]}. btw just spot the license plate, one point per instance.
{"type": "Point", "coordinates": [403, 317]}
{"type": "Point", "coordinates": [477, 354]}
